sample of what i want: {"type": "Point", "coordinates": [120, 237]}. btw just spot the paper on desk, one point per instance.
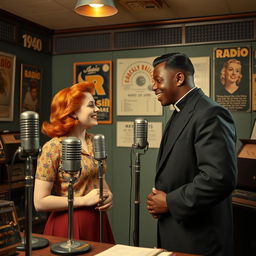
{"type": "Point", "coordinates": [127, 250]}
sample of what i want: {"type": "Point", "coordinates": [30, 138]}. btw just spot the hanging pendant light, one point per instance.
{"type": "Point", "coordinates": [96, 8]}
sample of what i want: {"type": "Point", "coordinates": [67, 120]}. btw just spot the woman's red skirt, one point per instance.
{"type": "Point", "coordinates": [86, 225]}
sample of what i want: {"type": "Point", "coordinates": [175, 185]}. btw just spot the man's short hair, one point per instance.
{"type": "Point", "coordinates": [176, 61]}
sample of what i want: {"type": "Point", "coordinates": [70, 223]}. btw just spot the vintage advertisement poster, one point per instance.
{"type": "Point", "coordinates": [30, 87]}
{"type": "Point", "coordinates": [134, 88]}
{"type": "Point", "coordinates": [7, 85]}
{"type": "Point", "coordinates": [125, 134]}
{"type": "Point", "coordinates": [254, 82]}
{"type": "Point", "coordinates": [232, 80]}
{"type": "Point", "coordinates": [99, 73]}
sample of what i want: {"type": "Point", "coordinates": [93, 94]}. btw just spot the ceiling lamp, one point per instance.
{"type": "Point", "coordinates": [96, 8]}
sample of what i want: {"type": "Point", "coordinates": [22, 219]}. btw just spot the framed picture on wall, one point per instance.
{"type": "Point", "coordinates": [99, 73]}
{"type": "Point", "coordinates": [30, 87]}
{"type": "Point", "coordinates": [7, 85]}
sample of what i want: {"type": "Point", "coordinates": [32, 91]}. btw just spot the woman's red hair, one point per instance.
{"type": "Point", "coordinates": [64, 104]}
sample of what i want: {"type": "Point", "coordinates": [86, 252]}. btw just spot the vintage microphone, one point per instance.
{"type": "Point", "coordinates": [29, 150]}
{"type": "Point", "coordinates": [139, 142]}
{"type": "Point", "coordinates": [100, 155]}
{"type": "Point", "coordinates": [71, 164]}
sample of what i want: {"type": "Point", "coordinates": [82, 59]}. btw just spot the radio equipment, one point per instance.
{"type": "Point", "coordinates": [9, 229]}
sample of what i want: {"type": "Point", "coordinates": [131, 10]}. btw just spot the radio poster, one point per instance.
{"type": "Point", "coordinates": [99, 73]}
{"type": "Point", "coordinates": [7, 85]}
{"type": "Point", "coordinates": [30, 88]}
{"type": "Point", "coordinates": [232, 80]}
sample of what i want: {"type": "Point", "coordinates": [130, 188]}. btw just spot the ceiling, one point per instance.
{"type": "Point", "coordinates": [59, 14]}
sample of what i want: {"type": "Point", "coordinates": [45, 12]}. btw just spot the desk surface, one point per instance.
{"type": "Point", "coordinates": [96, 247]}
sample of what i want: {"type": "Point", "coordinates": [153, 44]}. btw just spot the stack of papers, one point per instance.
{"type": "Point", "coordinates": [127, 250]}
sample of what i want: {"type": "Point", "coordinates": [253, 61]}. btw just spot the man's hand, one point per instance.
{"type": "Point", "coordinates": [156, 203]}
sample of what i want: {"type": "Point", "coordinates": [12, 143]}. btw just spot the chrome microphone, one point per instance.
{"type": "Point", "coordinates": [99, 147]}
{"type": "Point", "coordinates": [29, 132]}
{"type": "Point", "coordinates": [140, 133]}
{"type": "Point", "coordinates": [71, 154]}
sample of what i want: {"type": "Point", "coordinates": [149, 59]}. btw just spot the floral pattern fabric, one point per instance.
{"type": "Point", "coordinates": [49, 168]}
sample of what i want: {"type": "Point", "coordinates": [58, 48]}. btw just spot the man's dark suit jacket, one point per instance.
{"type": "Point", "coordinates": [197, 169]}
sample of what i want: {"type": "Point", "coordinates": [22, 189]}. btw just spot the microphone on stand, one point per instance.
{"type": "Point", "coordinates": [29, 132]}
{"type": "Point", "coordinates": [71, 155]}
{"type": "Point", "coordinates": [140, 133]}
{"type": "Point", "coordinates": [139, 142]}
{"type": "Point", "coordinates": [99, 150]}
{"type": "Point", "coordinates": [29, 149]}
{"type": "Point", "coordinates": [71, 164]}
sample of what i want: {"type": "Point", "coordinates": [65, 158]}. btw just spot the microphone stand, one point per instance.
{"type": "Point", "coordinates": [137, 168]}
{"type": "Point", "coordinates": [101, 201]}
{"type": "Point", "coordinates": [28, 242]}
{"type": "Point", "coordinates": [70, 246]}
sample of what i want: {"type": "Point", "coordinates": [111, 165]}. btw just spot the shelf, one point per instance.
{"type": "Point", "coordinates": [16, 185]}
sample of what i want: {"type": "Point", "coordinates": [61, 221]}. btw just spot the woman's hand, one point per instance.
{"type": "Point", "coordinates": [107, 201]}
{"type": "Point", "coordinates": [93, 197]}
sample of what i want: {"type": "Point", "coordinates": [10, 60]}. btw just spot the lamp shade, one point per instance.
{"type": "Point", "coordinates": [103, 8]}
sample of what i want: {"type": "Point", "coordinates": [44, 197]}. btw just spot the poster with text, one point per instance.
{"type": "Point", "coordinates": [232, 80]}
{"type": "Point", "coordinates": [99, 73]}
{"type": "Point", "coordinates": [254, 82]}
{"type": "Point", "coordinates": [30, 88]}
{"type": "Point", "coordinates": [7, 85]}
{"type": "Point", "coordinates": [134, 88]}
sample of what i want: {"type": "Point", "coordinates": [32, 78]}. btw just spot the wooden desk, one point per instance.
{"type": "Point", "coordinates": [244, 212]}
{"type": "Point", "coordinates": [243, 202]}
{"type": "Point", "coordinates": [96, 247]}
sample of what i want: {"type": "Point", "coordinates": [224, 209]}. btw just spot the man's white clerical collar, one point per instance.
{"type": "Point", "coordinates": [175, 105]}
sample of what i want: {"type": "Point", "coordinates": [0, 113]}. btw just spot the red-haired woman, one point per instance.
{"type": "Point", "coordinates": [73, 112]}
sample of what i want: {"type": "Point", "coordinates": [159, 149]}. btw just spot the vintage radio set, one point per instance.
{"type": "Point", "coordinates": [9, 229]}
{"type": "Point", "coordinates": [246, 163]}
{"type": "Point", "coordinates": [11, 167]}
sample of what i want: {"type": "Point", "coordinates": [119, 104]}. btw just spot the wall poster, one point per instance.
{"type": "Point", "coordinates": [232, 80]}
{"type": "Point", "coordinates": [7, 85]}
{"type": "Point", "coordinates": [30, 87]}
{"type": "Point", "coordinates": [134, 88]}
{"type": "Point", "coordinates": [254, 81]}
{"type": "Point", "coordinates": [99, 73]}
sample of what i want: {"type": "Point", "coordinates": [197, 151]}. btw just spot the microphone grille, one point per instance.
{"type": "Point", "coordinates": [29, 131]}
{"type": "Point", "coordinates": [71, 154]}
{"type": "Point", "coordinates": [140, 133]}
{"type": "Point", "coordinates": [29, 125]}
{"type": "Point", "coordinates": [99, 147]}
